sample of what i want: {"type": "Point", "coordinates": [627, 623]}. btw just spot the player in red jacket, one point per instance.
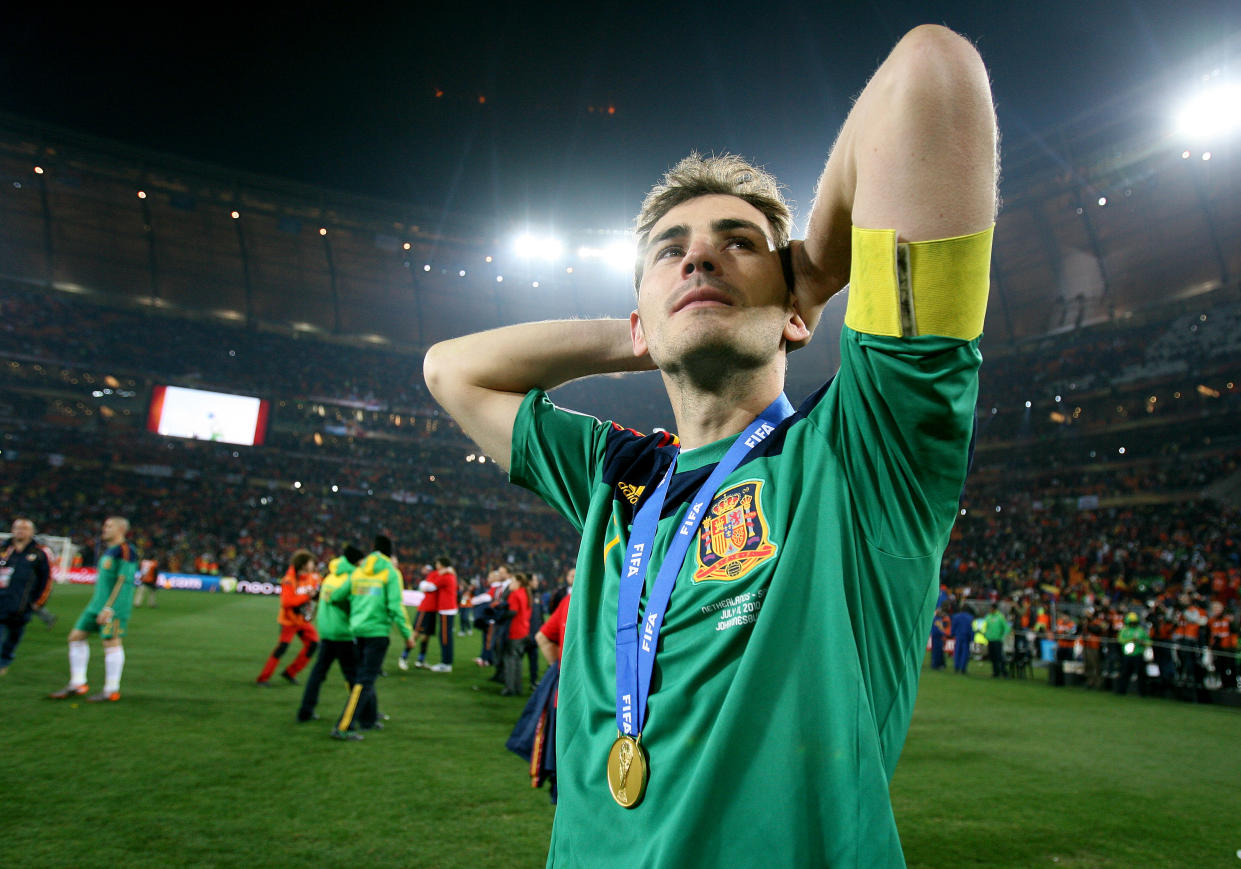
{"type": "Point", "coordinates": [445, 579]}
{"type": "Point", "coordinates": [299, 590]}
{"type": "Point", "coordinates": [424, 619]}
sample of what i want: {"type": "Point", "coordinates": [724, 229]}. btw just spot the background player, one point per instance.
{"type": "Point", "coordinates": [25, 582]}
{"type": "Point", "coordinates": [373, 594]}
{"type": "Point", "coordinates": [445, 579]}
{"type": "Point", "coordinates": [424, 619]}
{"type": "Point", "coordinates": [108, 613]}
{"type": "Point", "coordinates": [298, 592]}
{"type": "Point", "coordinates": [332, 622]}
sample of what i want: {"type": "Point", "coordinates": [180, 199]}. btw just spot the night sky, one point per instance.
{"type": "Point", "coordinates": [557, 113]}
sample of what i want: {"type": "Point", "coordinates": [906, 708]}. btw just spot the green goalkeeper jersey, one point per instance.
{"type": "Point", "coordinates": [114, 580]}
{"type": "Point", "coordinates": [788, 661]}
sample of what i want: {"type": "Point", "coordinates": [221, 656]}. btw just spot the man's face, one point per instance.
{"type": "Point", "coordinates": [112, 529]}
{"type": "Point", "coordinates": [712, 288]}
{"type": "Point", "coordinates": [23, 531]}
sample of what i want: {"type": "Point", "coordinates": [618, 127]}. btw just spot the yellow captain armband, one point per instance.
{"type": "Point", "coordinates": [905, 289]}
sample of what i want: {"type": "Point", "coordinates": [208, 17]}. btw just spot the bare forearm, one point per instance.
{"type": "Point", "coordinates": [480, 379]}
{"type": "Point", "coordinates": [533, 355]}
{"type": "Point", "coordinates": [551, 651]}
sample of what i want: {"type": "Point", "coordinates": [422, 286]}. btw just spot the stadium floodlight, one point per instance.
{"type": "Point", "coordinates": [530, 245]}
{"type": "Point", "coordinates": [1211, 114]}
{"type": "Point", "coordinates": [618, 255]}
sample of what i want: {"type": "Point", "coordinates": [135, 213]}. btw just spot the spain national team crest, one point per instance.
{"type": "Point", "coordinates": [733, 538]}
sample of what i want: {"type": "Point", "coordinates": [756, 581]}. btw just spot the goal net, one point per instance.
{"type": "Point", "coordinates": [60, 552]}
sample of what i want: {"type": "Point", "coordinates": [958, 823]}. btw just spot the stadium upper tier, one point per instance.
{"type": "Point", "coordinates": [1108, 222]}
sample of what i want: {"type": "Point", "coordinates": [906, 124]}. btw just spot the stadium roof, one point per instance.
{"type": "Point", "coordinates": [551, 109]}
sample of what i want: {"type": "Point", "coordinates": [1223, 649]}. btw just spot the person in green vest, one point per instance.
{"type": "Point", "coordinates": [332, 622]}
{"type": "Point", "coordinates": [995, 628]}
{"type": "Point", "coordinates": [1133, 641]}
{"type": "Point", "coordinates": [373, 594]}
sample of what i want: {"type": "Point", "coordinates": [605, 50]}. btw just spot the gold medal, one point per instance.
{"type": "Point", "coordinates": [627, 771]}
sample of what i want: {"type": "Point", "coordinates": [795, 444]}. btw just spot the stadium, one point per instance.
{"type": "Point", "coordinates": [233, 359]}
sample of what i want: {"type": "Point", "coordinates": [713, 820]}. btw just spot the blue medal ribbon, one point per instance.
{"type": "Point", "coordinates": [637, 638]}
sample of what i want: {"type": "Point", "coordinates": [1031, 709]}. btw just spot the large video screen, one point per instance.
{"type": "Point", "coordinates": [207, 416]}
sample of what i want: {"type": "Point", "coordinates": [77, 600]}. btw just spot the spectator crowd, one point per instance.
{"type": "Point", "coordinates": [1104, 493]}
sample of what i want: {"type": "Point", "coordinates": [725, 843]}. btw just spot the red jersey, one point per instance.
{"type": "Point", "coordinates": [430, 599]}
{"type": "Point", "coordinates": [296, 592]}
{"type": "Point", "coordinates": [519, 603]}
{"type": "Point", "coordinates": [445, 590]}
{"type": "Point", "coordinates": [553, 628]}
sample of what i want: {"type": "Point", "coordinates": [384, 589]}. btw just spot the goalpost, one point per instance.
{"type": "Point", "coordinates": [61, 551]}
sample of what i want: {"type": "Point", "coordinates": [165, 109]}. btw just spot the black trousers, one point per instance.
{"type": "Point", "coordinates": [343, 651]}
{"type": "Point", "coordinates": [995, 649]}
{"type": "Point", "coordinates": [1132, 665]}
{"type": "Point", "coordinates": [363, 702]}
{"type": "Point", "coordinates": [11, 629]}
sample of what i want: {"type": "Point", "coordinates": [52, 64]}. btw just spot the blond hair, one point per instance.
{"type": "Point", "coordinates": [725, 174]}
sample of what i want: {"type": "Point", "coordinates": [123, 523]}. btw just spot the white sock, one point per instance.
{"type": "Point", "coordinates": [113, 663]}
{"type": "Point", "coordinates": [79, 657]}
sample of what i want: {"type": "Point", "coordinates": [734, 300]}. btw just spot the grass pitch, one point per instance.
{"type": "Point", "coordinates": [195, 766]}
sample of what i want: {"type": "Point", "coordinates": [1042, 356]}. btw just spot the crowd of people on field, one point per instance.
{"type": "Point", "coordinates": [1071, 582]}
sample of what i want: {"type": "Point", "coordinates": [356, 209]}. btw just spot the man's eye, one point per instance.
{"type": "Point", "coordinates": [740, 241]}
{"type": "Point", "coordinates": [670, 250]}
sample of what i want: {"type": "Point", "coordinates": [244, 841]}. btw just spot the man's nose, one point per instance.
{"type": "Point", "coordinates": [699, 257]}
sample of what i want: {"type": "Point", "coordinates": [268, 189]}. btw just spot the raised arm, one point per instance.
{"type": "Point", "coordinates": [917, 154]}
{"type": "Point", "coordinates": [481, 379]}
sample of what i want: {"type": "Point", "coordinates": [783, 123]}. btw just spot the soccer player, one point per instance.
{"type": "Point", "coordinates": [424, 619]}
{"type": "Point", "coordinates": [108, 613]}
{"type": "Point", "coordinates": [373, 594]}
{"type": "Point", "coordinates": [332, 623]}
{"type": "Point", "coordinates": [701, 691]}
{"type": "Point", "coordinates": [445, 579]}
{"type": "Point", "coordinates": [299, 590]}
{"type": "Point", "coordinates": [25, 583]}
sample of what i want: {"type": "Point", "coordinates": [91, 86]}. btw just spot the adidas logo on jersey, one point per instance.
{"type": "Point", "coordinates": [631, 493]}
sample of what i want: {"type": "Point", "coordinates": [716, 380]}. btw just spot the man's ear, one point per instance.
{"type": "Point", "coordinates": [637, 334]}
{"type": "Point", "coordinates": [796, 332]}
